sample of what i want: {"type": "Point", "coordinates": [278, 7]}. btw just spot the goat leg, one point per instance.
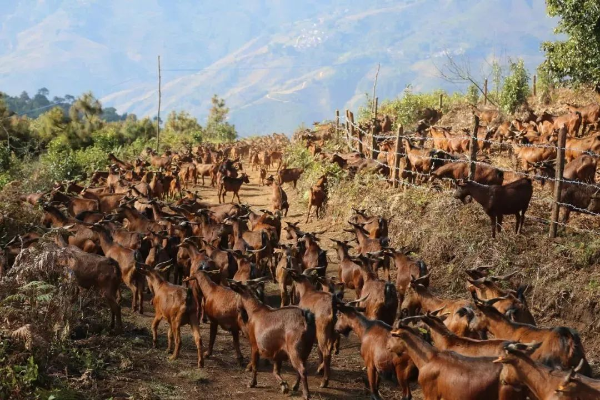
{"type": "Point", "coordinates": [254, 366]}
{"type": "Point", "coordinates": [154, 328]}
{"type": "Point", "coordinates": [277, 372]}
{"type": "Point", "coordinates": [236, 345]}
{"type": "Point", "coordinates": [211, 338]}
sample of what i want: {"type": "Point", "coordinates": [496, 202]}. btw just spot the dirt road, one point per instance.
{"type": "Point", "coordinates": [135, 370]}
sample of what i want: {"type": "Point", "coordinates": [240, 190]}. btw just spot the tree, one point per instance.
{"type": "Point", "coordinates": [576, 59]}
{"type": "Point", "coordinates": [182, 122]}
{"type": "Point", "coordinates": [43, 92]}
{"type": "Point", "coordinates": [516, 87]}
{"type": "Point", "coordinates": [85, 115]}
{"type": "Point", "coordinates": [217, 126]}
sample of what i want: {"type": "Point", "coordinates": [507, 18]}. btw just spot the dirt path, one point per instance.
{"type": "Point", "coordinates": [140, 372]}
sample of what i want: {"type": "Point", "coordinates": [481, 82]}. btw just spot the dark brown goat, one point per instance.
{"type": "Point", "coordinates": [229, 184]}
{"type": "Point", "coordinates": [498, 200]}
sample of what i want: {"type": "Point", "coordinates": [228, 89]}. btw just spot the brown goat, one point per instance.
{"type": "Point", "coordinates": [221, 308]}
{"type": "Point", "coordinates": [448, 375]}
{"type": "Point", "coordinates": [323, 306]}
{"type": "Point", "coordinates": [560, 347]}
{"type": "Point", "coordinates": [229, 184]}
{"type": "Point", "coordinates": [175, 304]}
{"type": "Point", "coordinates": [126, 259]}
{"type": "Point", "coordinates": [279, 199]}
{"type": "Point", "coordinates": [544, 383]}
{"type": "Point", "coordinates": [484, 174]}
{"type": "Point", "coordinates": [374, 337]}
{"type": "Point", "coordinates": [289, 175]}
{"type": "Point", "coordinates": [317, 197]}
{"type": "Point", "coordinates": [275, 334]}
{"type": "Point", "coordinates": [499, 200]}
{"type": "Point", "coordinates": [349, 272]}
{"type": "Point", "coordinates": [94, 271]}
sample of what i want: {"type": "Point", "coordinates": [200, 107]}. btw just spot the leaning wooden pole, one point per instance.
{"type": "Point", "coordinates": [158, 114]}
{"type": "Point", "coordinates": [396, 170]}
{"type": "Point", "coordinates": [560, 166]}
{"type": "Point", "coordinates": [473, 148]}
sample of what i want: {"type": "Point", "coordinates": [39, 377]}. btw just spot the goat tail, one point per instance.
{"type": "Point", "coordinates": [570, 344]}
{"type": "Point", "coordinates": [189, 298]}
{"type": "Point", "coordinates": [115, 265]}
{"type": "Point", "coordinates": [422, 268]}
{"type": "Point", "coordinates": [309, 317]}
{"type": "Point", "coordinates": [389, 293]}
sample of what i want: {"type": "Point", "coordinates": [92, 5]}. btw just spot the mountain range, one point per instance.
{"type": "Point", "coordinates": [277, 63]}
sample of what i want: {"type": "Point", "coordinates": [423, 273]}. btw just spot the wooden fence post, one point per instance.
{"type": "Point", "coordinates": [473, 148]}
{"type": "Point", "coordinates": [441, 101]}
{"type": "Point", "coordinates": [337, 122]}
{"type": "Point", "coordinates": [374, 146]}
{"type": "Point", "coordinates": [353, 131]}
{"type": "Point", "coordinates": [535, 85]}
{"type": "Point", "coordinates": [375, 107]}
{"type": "Point", "coordinates": [396, 170]}
{"type": "Point", "coordinates": [485, 92]}
{"type": "Point", "coordinates": [560, 165]}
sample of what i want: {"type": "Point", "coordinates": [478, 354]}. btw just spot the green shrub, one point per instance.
{"type": "Point", "coordinates": [516, 87]}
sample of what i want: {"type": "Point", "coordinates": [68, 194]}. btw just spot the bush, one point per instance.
{"type": "Point", "coordinates": [516, 87]}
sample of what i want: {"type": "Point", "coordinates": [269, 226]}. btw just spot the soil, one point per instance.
{"type": "Point", "coordinates": [135, 370]}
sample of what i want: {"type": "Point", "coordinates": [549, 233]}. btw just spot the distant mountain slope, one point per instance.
{"type": "Point", "coordinates": [277, 63]}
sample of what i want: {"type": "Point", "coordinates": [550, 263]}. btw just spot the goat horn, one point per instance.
{"type": "Point", "coordinates": [169, 261]}
{"type": "Point", "coordinates": [504, 277]}
{"type": "Point", "coordinates": [256, 251]}
{"type": "Point", "coordinates": [358, 301]}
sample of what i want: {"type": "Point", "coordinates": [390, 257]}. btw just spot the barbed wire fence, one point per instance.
{"type": "Point", "coordinates": [404, 176]}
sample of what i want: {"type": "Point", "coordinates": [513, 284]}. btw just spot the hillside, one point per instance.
{"type": "Point", "coordinates": [283, 64]}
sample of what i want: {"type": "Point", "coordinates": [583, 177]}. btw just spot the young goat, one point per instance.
{"type": "Point", "coordinates": [175, 304]}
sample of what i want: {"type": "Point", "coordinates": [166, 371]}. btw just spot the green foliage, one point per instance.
{"type": "Point", "coordinates": [577, 58]}
{"type": "Point", "coordinates": [516, 87]}
{"type": "Point", "coordinates": [17, 379]}
{"type": "Point", "coordinates": [217, 127]}
{"type": "Point", "coordinates": [472, 94]}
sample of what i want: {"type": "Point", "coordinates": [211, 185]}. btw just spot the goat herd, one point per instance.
{"type": "Point", "coordinates": [209, 262]}
{"type": "Point", "coordinates": [437, 152]}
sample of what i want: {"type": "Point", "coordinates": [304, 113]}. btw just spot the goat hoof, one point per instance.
{"type": "Point", "coordinates": [241, 361]}
{"type": "Point", "coordinates": [207, 354]}
{"type": "Point", "coordinates": [324, 383]}
{"type": "Point", "coordinates": [173, 357]}
{"type": "Point", "coordinates": [252, 384]}
{"type": "Point", "coordinates": [320, 369]}
{"type": "Point", "coordinates": [284, 387]}
{"type": "Point", "coordinates": [249, 367]}
{"type": "Point", "coordinates": [201, 364]}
